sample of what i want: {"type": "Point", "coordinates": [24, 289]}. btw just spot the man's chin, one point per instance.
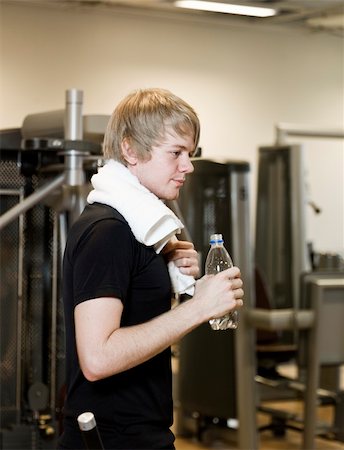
{"type": "Point", "coordinates": [175, 196]}
{"type": "Point", "coordinates": [171, 196]}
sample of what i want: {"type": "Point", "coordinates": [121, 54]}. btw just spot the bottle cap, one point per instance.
{"type": "Point", "coordinates": [86, 421]}
{"type": "Point", "coordinates": [216, 238]}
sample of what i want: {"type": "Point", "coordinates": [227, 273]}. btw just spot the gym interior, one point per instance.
{"type": "Point", "coordinates": [268, 175]}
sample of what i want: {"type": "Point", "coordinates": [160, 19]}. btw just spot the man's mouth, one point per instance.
{"type": "Point", "coordinates": [179, 183]}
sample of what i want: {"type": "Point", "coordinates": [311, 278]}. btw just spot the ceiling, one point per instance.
{"type": "Point", "coordinates": [315, 15]}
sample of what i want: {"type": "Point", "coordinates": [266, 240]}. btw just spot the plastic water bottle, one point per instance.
{"type": "Point", "coordinates": [218, 259]}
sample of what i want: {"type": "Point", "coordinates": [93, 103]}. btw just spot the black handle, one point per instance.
{"type": "Point", "coordinates": [90, 434]}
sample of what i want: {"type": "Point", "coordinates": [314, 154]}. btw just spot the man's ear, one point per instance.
{"type": "Point", "coordinates": [128, 152]}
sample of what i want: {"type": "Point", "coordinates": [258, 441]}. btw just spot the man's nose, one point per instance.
{"type": "Point", "coordinates": [186, 165]}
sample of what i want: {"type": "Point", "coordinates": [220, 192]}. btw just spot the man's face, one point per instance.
{"type": "Point", "coordinates": [164, 174]}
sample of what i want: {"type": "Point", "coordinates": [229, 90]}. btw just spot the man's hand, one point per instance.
{"type": "Point", "coordinates": [184, 256]}
{"type": "Point", "coordinates": [218, 294]}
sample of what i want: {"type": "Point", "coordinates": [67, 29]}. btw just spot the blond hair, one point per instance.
{"type": "Point", "coordinates": [142, 117]}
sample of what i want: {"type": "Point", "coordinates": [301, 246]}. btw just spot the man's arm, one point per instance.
{"type": "Point", "coordinates": [105, 348]}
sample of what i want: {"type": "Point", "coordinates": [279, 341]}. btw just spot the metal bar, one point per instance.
{"type": "Point", "coordinates": [63, 234]}
{"type": "Point", "coordinates": [299, 254]}
{"type": "Point", "coordinates": [73, 129]}
{"type": "Point", "coordinates": [281, 319]}
{"type": "Point", "coordinates": [245, 365]}
{"type": "Point", "coordinates": [10, 192]}
{"type": "Point", "coordinates": [284, 129]}
{"type": "Point", "coordinates": [296, 386]}
{"type": "Point", "coordinates": [30, 201]}
{"type": "Point", "coordinates": [19, 311]}
{"type": "Point", "coordinates": [313, 373]}
{"type": "Point", "coordinates": [54, 289]}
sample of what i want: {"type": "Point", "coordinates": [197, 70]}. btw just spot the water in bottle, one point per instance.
{"type": "Point", "coordinates": [218, 259]}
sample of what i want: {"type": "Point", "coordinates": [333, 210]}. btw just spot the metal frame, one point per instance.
{"type": "Point", "coordinates": [19, 325]}
{"type": "Point", "coordinates": [73, 176]}
{"type": "Point", "coordinates": [319, 287]}
{"type": "Point", "coordinates": [310, 321]}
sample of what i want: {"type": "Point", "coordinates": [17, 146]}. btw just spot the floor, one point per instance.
{"type": "Point", "coordinates": [267, 440]}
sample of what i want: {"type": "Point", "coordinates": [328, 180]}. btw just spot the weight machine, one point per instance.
{"type": "Point", "coordinates": [45, 170]}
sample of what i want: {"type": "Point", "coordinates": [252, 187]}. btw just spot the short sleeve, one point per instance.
{"type": "Point", "coordinates": [103, 261]}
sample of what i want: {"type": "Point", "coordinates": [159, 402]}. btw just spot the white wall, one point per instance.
{"type": "Point", "coordinates": [242, 81]}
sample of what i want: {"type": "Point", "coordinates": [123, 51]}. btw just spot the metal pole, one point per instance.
{"type": "Point", "coordinates": [245, 364]}
{"type": "Point", "coordinates": [20, 312]}
{"type": "Point", "coordinates": [313, 374]}
{"type": "Point", "coordinates": [73, 115]}
{"type": "Point", "coordinates": [54, 290]}
{"type": "Point", "coordinates": [73, 130]}
{"type": "Point", "coordinates": [63, 229]}
{"type": "Point", "coordinates": [30, 201]}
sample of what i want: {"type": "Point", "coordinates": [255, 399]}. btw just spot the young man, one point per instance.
{"type": "Point", "coordinates": [120, 262]}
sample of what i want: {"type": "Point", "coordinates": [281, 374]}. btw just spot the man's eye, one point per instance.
{"type": "Point", "coordinates": [176, 154]}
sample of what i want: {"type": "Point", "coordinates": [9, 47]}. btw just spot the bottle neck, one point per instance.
{"type": "Point", "coordinates": [216, 244]}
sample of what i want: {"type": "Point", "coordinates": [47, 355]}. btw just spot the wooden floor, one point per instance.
{"type": "Point", "coordinates": [290, 443]}
{"type": "Point", "coordinates": [267, 441]}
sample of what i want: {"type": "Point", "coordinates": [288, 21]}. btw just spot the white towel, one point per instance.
{"type": "Point", "coordinates": [151, 221]}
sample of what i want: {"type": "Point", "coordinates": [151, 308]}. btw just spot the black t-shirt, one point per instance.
{"type": "Point", "coordinates": [133, 409]}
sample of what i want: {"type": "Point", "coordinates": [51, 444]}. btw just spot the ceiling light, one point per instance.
{"type": "Point", "coordinates": [226, 8]}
